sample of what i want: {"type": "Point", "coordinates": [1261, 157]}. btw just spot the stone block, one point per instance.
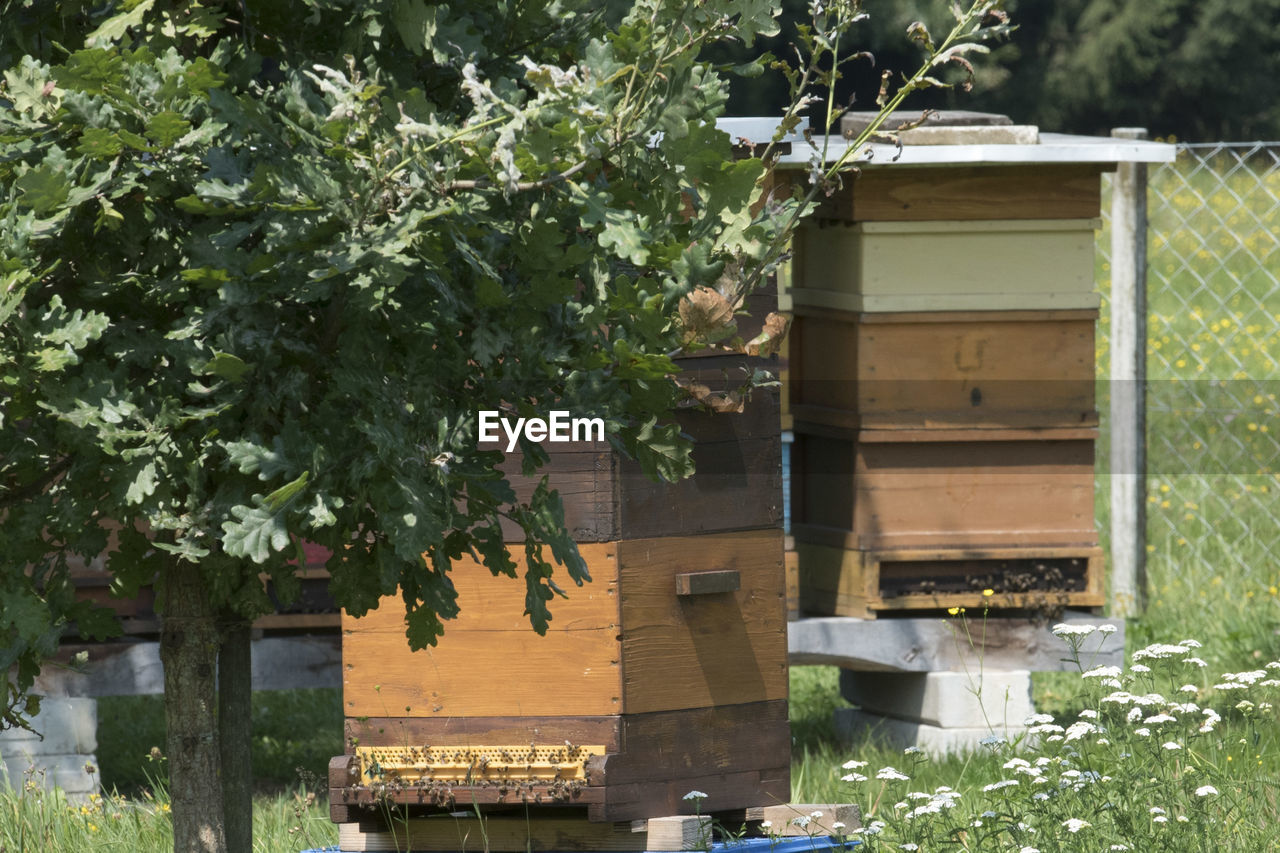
{"type": "Point", "coordinates": [953, 700]}
{"type": "Point", "coordinates": [68, 726]}
{"type": "Point", "coordinates": [852, 724]}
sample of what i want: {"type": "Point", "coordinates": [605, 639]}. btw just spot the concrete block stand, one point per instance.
{"type": "Point", "coordinates": [941, 712]}
{"type": "Point", "coordinates": [70, 740]}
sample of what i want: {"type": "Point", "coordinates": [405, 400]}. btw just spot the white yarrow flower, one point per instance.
{"type": "Point", "coordinates": [853, 777]}
{"type": "Point", "coordinates": [1206, 790]}
{"type": "Point", "coordinates": [694, 795]}
{"type": "Point", "coordinates": [1075, 824]}
{"type": "Point", "coordinates": [892, 774]}
{"type": "Point", "coordinates": [853, 765]}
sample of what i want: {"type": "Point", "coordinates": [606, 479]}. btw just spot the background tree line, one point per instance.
{"type": "Point", "coordinates": [1201, 71]}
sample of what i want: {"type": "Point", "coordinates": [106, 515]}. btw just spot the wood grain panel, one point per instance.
{"type": "Point", "coordinates": [481, 731]}
{"type": "Point", "coordinates": [725, 792]}
{"type": "Point", "coordinates": [945, 494]}
{"type": "Point", "coordinates": [709, 650]}
{"type": "Point", "coordinates": [737, 456]}
{"type": "Point", "coordinates": [489, 662]}
{"type": "Point", "coordinates": [497, 834]}
{"type": "Point", "coordinates": [976, 192]}
{"type": "Point", "coordinates": [931, 266]}
{"type": "Point", "coordinates": [668, 745]}
{"type": "Point", "coordinates": [972, 369]}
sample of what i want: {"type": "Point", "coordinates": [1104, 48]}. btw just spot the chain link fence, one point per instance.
{"type": "Point", "coordinates": [1213, 355]}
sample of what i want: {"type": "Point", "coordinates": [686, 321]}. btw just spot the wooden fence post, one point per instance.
{"type": "Point", "coordinates": [1128, 384]}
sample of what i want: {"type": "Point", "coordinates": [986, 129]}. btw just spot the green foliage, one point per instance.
{"type": "Point", "coordinates": [262, 272]}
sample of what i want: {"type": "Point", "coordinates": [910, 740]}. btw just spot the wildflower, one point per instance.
{"type": "Point", "coordinates": [1160, 718]}
{"type": "Point", "coordinates": [801, 821]}
{"type": "Point", "coordinates": [1231, 685]}
{"type": "Point", "coordinates": [1196, 661]}
{"type": "Point", "coordinates": [694, 795]}
{"type": "Point", "coordinates": [853, 765]}
{"type": "Point", "coordinates": [1075, 824]}
{"type": "Point", "coordinates": [1116, 847]}
{"type": "Point", "coordinates": [1029, 850]}
{"type": "Point", "coordinates": [1160, 819]}
{"type": "Point", "coordinates": [996, 786]}
{"type": "Point", "coordinates": [993, 740]}
{"type": "Point", "coordinates": [1102, 742]}
{"type": "Point", "coordinates": [987, 593]}
{"type": "Point", "coordinates": [1016, 762]}
{"type": "Point", "coordinates": [1188, 688]}
{"type": "Point", "coordinates": [766, 825]}
{"type": "Point", "coordinates": [1191, 644]}
{"type": "Point", "coordinates": [988, 813]}
{"type": "Point", "coordinates": [912, 750]}
{"type": "Point", "coordinates": [815, 815]}
{"type": "Point", "coordinates": [908, 846]}
{"type": "Point", "coordinates": [1182, 819]}
{"type": "Point", "coordinates": [1106, 629]}
{"type": "Point", "coordinates": [1155, 810]}
{"type": "Point", "coordinates": [1045, 727]}
{"type": "Point", "coordinates": [1142, 732]}
{"type": "Point", "coordinates": [1139, 667]}
{"type": "Point", "coordinates": [1244, 706]}
{"type": "Point", "coordinates": [1212, 718]}
{"type": "Point", "coordinates": [1245, 677]}
{"type": "Point", "coordinates": [892, 774]}
{"type": "Point", "coordinates": [853, 777]}
{"type": "Point", "coordinates": [1038, 719]}
{"type": "Point", "coordinates": [1079, 729]}
{"type": "Point", "coordinates": [835, 827]}
{"type": "Point", "coordinates": [1102, 672]}
{"type": "Point", "coordinates": [954, 611]}
{"type": "Point", "coordinates": [1040, 796]}
{"type": "Point", "coordinates": [1063, 630]}
{"type": "Point", "coordinates": [1206, 790]}
{"type": "Point", "coordinates": [1134, 715]}
{"type": "Point", "coordinates": [1159, 651]}
{"type": "Point", "coordinates": [1088, 714]}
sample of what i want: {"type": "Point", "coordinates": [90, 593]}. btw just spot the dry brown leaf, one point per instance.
{"type": "Point", "coordinates": [704, 312]}
{"type": "Point", "coordinates": [770, 338]}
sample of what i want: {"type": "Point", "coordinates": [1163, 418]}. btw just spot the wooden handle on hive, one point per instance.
{"type": "Point", "coordinates": [708, 583]}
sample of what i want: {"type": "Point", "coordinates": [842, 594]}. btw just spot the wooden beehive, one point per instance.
{"type": "Point", "coordinates": [667, 673]}
{"type": "Point", "coordinates": [942, 388]}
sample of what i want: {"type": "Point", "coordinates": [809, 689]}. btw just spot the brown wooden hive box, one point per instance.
{"type": "Point", "coordinates": [885, 490]}
{"type": "Point", "coordinates": [943, 370]}
{"type": "Point", "coordinates": [667, 673]}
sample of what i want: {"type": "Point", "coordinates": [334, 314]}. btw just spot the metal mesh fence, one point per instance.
{"type": "Point", "coordinates": [1213, 353]}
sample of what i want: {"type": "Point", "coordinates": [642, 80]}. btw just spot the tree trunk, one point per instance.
{"type": "Point", "coordinates": [235, 729]}
{"type": "Point", "coordinates": [189, 649]}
